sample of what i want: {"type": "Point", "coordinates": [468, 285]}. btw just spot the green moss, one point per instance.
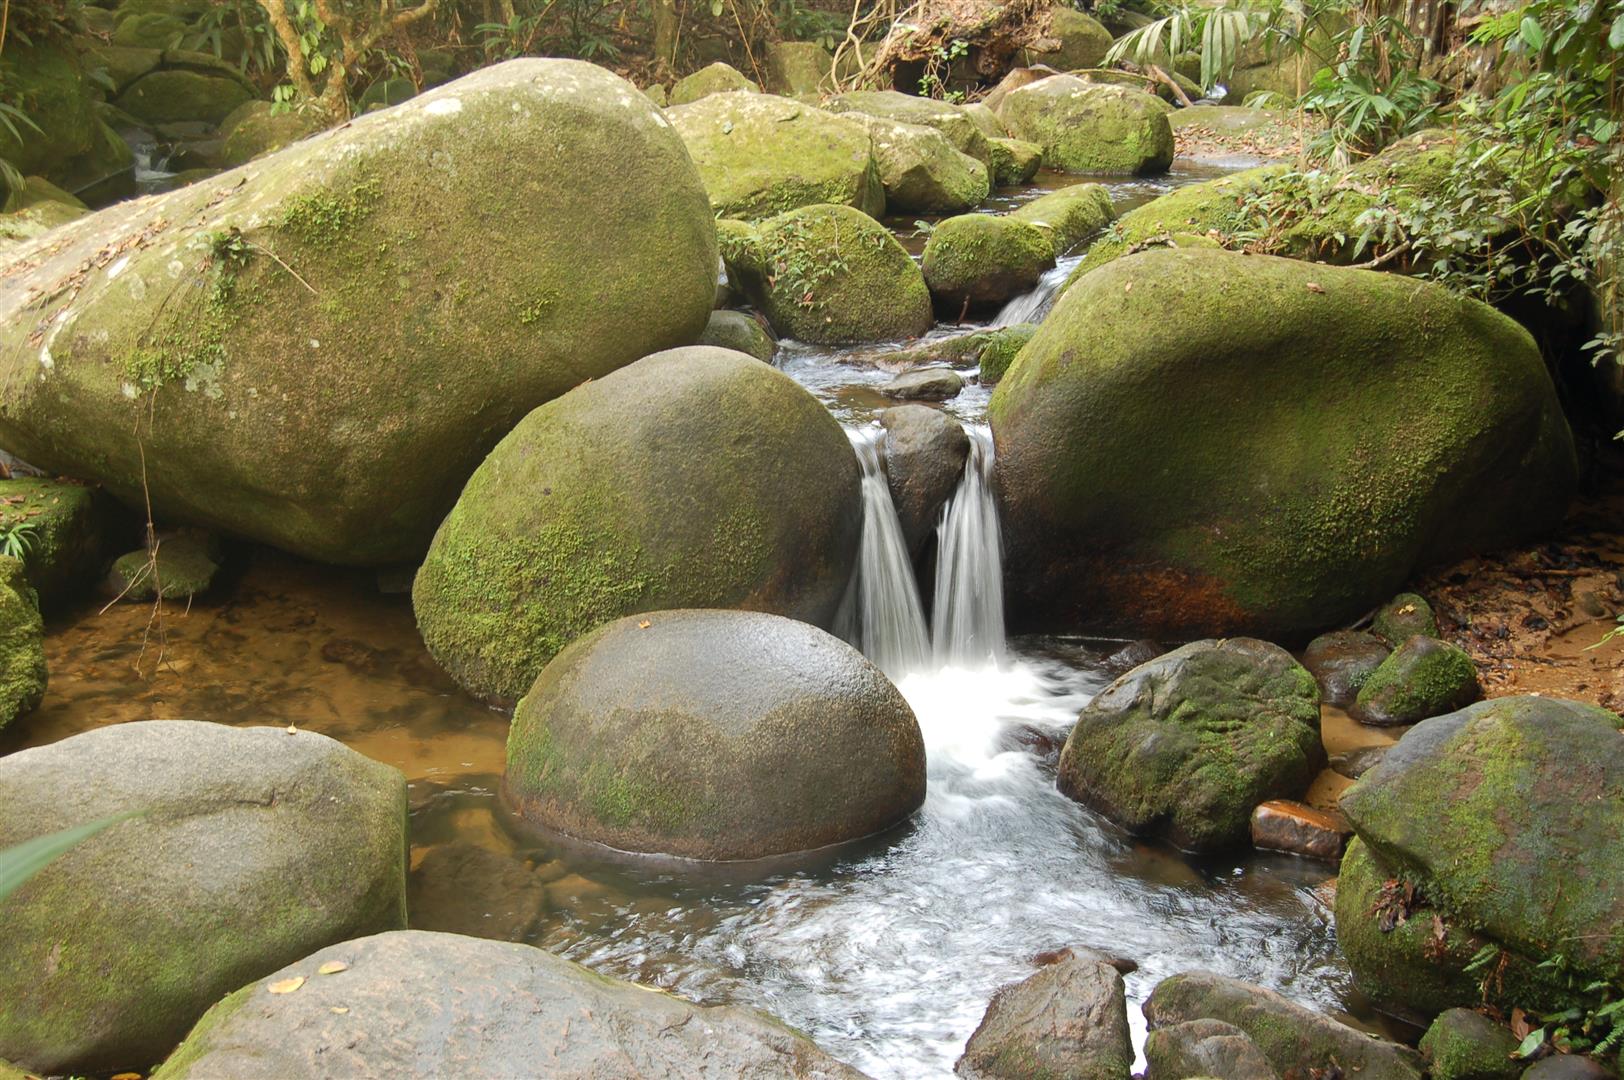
{"type": "Point", "coordinates": [718, 78]}
{"type": "Point", "coordinates": [182, 568]}
{"type": "Point", "coordinates": [1403, 617]}
{"type": "Point", "coordinates": [1013, 161]}
{"type": "Point", "coordinates": [178, 1065]}
{"type": "Point", "coordinates": [1070, 215]}
{"type": "Point", "coordinates": [22, 645]}
{"type": "Point", "coordinates": [1420, 679]}
{"type": "Point", "coordinates": [65, 527]}
{"type": "Point", "coordinates": [1091, 127]}
{"type": "Point", "coordinates": [1001, 350]}
{"type": "Point", "coordinates": [985, 259]}
{"type": "Point", "coordinates": [1465, 1045]}
{"type": "Point", "coordinates": [325, 217]}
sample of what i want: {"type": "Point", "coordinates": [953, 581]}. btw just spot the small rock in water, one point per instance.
{"type": "Point", "coordinates": [931, 384]}
{"type": "Point", "coordinates": [1569, 1067]}
{"type": "Point", "coordinates": [925, 451]}
{"type": "Point", "coordinates": [1341, 662]}
{"type": "Point", "coordinates": [1069, 1019]}
{"type": "Point", "coordinates": [462, 888]}
{"type": "Point", "coordinates": [1355, 763]}
{"type": "Point", "coordinates": [182, 566]}
{"type": "Point", "coordinates": [1424, 677]}
{"type": "Point", "coordinates": [1298, 829]}
{"type": "Point", "coordinates": [740, 332]}
{"type": "Point", "coordinates": [1465, 1045]}
{"type": "Point", "coordinates": [1122, 964]}
{"type": "Point", "coordinates": [1210, 1049]}
{"type": "Point", "coordinates": [1403, 617]}
{"type": "Point", "coordinates": [1132, 655]}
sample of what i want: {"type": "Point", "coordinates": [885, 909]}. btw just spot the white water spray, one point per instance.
{"type": "Point", "coordinates": [1033, 306]}
{"type": "Point", "coordinates": [881, 614]}
{"type": "Point", "coordinates": [968, 623]}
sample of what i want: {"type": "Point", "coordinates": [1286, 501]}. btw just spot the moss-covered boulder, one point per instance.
{"type": "Point", "coordinates": [1001, 351]}
{"type": "Point", "coordinates": [1068, 216]}
{"type": "Point", "coordinates": [414, 1003]}
{"type": "Point", "coordinates": [1342, 662]}
{"type": "Point", "coordinates": [761, 155]}
{"type": "Point", "coordinates": [48, 82]}
{"type": "Point", "coordinates": [1205, 1048]}
{"type": "Point", "coordinates": [1069, 40]}
{"type": "Point", "coordinates": [798, 68]}
{"type": "Point", "coordinates": [22, 644]}
{"type": "Point", "coordinates": [922, 172]}
{"type": "Point", "coordinates": [172, 95]}
{"type": "Point", "coordinates": [1014, 161]}
{"type": "Point", "coordinates": [742, 735]}
{"type": "Point", "coordinates": [1508, 816]}
{"type": "Point", "coordinates": [150, 30]}
{"type": "Point", "coordinates": [259, 130]}
{"type": "Point", "coordinates": [64, 528]}
{"type": "Point", "coordinates": [181, 567]}
{"type": "Point", "coordinates": [250, 848]}
{"type": "Point", "coordinates": [1465, 1045]}
{"type": "Point", "coordinates": [1198, 442]}
{"type": "Point", "coordinates": [740, 332]}
{"type": "Point", "coordinates": [984, 260]}
{"type": "Point", "coordinates": [1183, 747]}
{"type": "Point", "coordinates": [1403, 617]}
{"type": "Point", "coordinates": [696, 477]}
{"type": "Point", "coordinates": [832, 274]}
{"type": "Point", "coordinates": [986, 120]}
{"type": "Point", "coordinates": [1087, 127]}
{"type": "Point", "coordinates": [717, 78]}
{"type": "Point", "coordinates": [944, 116]}
{"type": "Point", "coordinates": [1297, 1041]}
{"type": "Point", "coordinates": [1423, 677]}
{"type": "Point", "coordinates": [123, 64]}
{"type": "Point", "coordinates": [321, 345]}
{"type": "Point", "coordinates": [1069, 1020]}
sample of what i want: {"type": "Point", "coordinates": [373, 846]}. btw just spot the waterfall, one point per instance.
{"type": "Point", "coordinates": [968, 623]}
{"type": "Point", "coordinates": [1033, 306]}
{"type": "Point", "coordinates": [881, 614]}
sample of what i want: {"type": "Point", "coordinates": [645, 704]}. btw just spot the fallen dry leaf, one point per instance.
{"type": "Point", "coordinates": [287, 986]}
{"type": "Point", "coordinates": [126, 1076]}
{"type": "Point", "coordinates": [644, 625]}
{"type": "Point", "coordinates": [341, 1009]}
{"type": "Point", "coordinates": [292, 730]}
{"type": "Point", "coordinates": [1316, 287]}
{"type": "Point", "coordinates": [332, 967]}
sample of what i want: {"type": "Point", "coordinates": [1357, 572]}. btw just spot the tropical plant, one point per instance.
{"type": "Point", "coordinates": [330, 42]}
{"type": "Point", "coordinates": [17, 539]}
{"type": "Point", "coordinates": [1217, 32]}
{"type": "Point", "coordinates": [19, 863]}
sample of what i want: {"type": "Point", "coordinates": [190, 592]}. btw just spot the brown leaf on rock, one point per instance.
{"type": "Point", "coordinates": [287, 986]}
{"type": "Point", "coordinates": [332, 967]}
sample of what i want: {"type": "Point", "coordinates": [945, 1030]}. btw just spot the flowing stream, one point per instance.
{"type": "Point", "coordinates": [881, 613]}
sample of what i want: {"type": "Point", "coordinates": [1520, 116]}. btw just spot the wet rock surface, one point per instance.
{"type": "Point", "coordinates": [1069, 1019]}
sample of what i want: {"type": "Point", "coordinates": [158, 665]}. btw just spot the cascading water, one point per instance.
{"type": "Point", "coordinates": [1033, 306]}
{"type": "Point", "coordinates": [968, 619]}
{"type": "Point", "coordinates": [881, 614]}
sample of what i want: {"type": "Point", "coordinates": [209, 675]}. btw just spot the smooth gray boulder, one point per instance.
{"type": "Point", "coordinates": [925, 451]}
{"type": "Point", "coordinates": [415, 1003]}
{"type": "Point", "coordinates": [252, 847]}
{"type": "Point", "coordinates": [1205, 1048]}
{"type": "Point", "coordinates": [740, 332]}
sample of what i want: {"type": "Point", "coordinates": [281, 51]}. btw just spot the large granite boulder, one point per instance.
{"type": "Point", "coordinates": [1087, 127]}
{"type": "Point", "coordinates": [22, 644]}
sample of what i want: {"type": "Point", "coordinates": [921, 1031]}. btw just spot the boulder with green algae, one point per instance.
{"type": "Point", "coordinates": [1000, 352]}
{"type": "Point", "coordinates": [168, 96]}
{"type": "Point", "coordinates": [252, 847]}
{"type": "Point", "coordinates": [718, 78]}
{"type": "Point", "coordinates": [1069, 215]}
{"type": "Point", "coordinates": [798, 68]}
{"type": "Point", "coordinates": [416, 1003]}
{"type": "Point", "coordinates": [1087, 127]}
{"type": "Point", "coordinates": [984, 260]}
{"type": "Point", "coordinates": [123, 64]}
{"type": "Point", "coordinates": [1169, 469]}
{"type": "Point", "coordinates": [1069, 41]}
{"type": "Point", "coordinates": [743, 735]}
{"type": "Point", "coordinates": [832, 274]}
{"type": "Point", "coordinates": [1070, 1020]}
{"type": "Point", "coordinates": [761, 155]}
{"type": "Point", "coordinates": [944, 116]}
{"type": "Point", "coordinates": [697, 477]}
{"type": "Point", "coordinates": [150, 30]}
{"type": "Point", "coordinates": [1423, 677]}
{"type": "Point", "coordinates": [985, 120]}
{"type": "Point", "coordinates": [1465, 1045]}
{"type": "Point", "coordinates": [1297, 1041]}
{"type": "Point", "coordinates": [1014, 161]}
{"type": "Point", "coordinates": [414, 249]}
{"type": "Point", "coordinates": [22, 644]}
{"type": "Point", "coordinates": [65, 526]}
{"type": "Point", "coordinates": [1342, 662]}
{"type": "Point", "coordinates": [1403, 617]}
{"type": "Point", "coordinates": [1204, 1048]}
{"type": "Point", "coordinates": [1185, 746]}
{"type": "Point", "coordinates": [922, 172]}
{"type": "Point", "coordinates": [50, 77]}
{"type": "Point", "coordinates": [259, 130]}
{"type": "Point", "coordinates": [1509, 816]}
{"type": "Point", "coordinates": [740, 332]}
{"type": "Point", "coordinates": [183, 567]}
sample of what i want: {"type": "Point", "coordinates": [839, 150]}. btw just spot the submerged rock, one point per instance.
{"type": "Point", "coordinates": [1210, 1049]}
{"type": "Point", "coordinates": [743, 735]}
{"type": "Point", "coordinates": [64, 529]}
{"type": "Point", "coordinates": [696, 477]}
{"type": "Point", "coordinates": [250, 847]}
{"type": "Point", "coordinates": [761, 155]}
{"type": "Point", "coordinates": [740, 332]}
{"type": "Point", "coordinates": [984, 260]}
{"type": "Point", "coordinates": [926, 384]}
{"type": "Point", "coordinates": [1151, 444]}
{"type": "Point", "coordinates": [1423, 677]}
{"type": "Point", "coordinates": [1509, 816]}
{"type": "Point", "coordinates": [1184, 747]}
{"type": "Point", "coordinates": [717, 78]}
{"type": "Point", "coordinates": [1087, 127]}
{"type": "Point", "coordinates": [830, 275]}
{"type": "Point", "coordinates": [1297, 1041]}
{"type": "Point", "coordinates": [1070, 1019]}
{"type": "Point", "coordinates": [416, 1003]}
{"type": "Point", "coordinates": [1403, 617]}
{"type": "Point", "coordinates": [1341, 662]}
{"type": "Point", "coordinates": [1069, 215]}
{"type": "Point", "coordinates": [925, 452]}
{"type": "Point", "coordinates": [462, 888]}
{"type": "Point", "coordinates": [922, 171]}
{"type": "Point", "coordinates": [22, 644]}
{"type": "Point", "coordinates": [402, 249]}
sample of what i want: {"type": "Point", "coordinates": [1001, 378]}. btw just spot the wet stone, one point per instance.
{"type": "Point", "coordinates": [462, 888]}
{"type": "Point", "coordinates": [1133, 654]}
{"type": "Point", "coordinates": [1298, 829]}
{"type": "Point", "coordinates": [1341, 661]}
{"type": "Point", "coordinates": [931, 384]}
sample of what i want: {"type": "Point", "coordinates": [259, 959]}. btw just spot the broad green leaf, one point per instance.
{"type": "Point", "coordinates": [18, 864]}
{"type": "Point", "coordinates": [1532, 33]}
{"type": "Point", "coordinates": [1615, 36]}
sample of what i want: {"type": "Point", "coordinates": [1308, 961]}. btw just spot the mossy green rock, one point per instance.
{"type": "Point", "coordinates": [417, 1003]}
{"type": "Point", "coordinates": [386, 92]}
{"type": "Point", "coordinates": [1423, 677]}
{"type": "Point", "coordinates": [1509, 814]}
{"type": "Point", "coordinates": [984, 260]}
{"type": "Point", "coordinates": [252, 848]}
{"type": "Point", "coordinates": [697, 477]}
{"type": "Point", "coordinates": [740, 332]}
{"type": "Point", "coordinates": [171, 95]}
{"type": "Point", "coordinates": [944, 116]}
{"type": "Point", "coordinates": [1403, 617]}
{"type": "Point", "coordinates": [123, 64]}
{"type": "Point", "coordinates": [1014, 161]}
{"type": "Point", "coordinates": [261, 131]}
{"type": "Point", "coordinates": [66, 533]}
{"type": "Point", "coordinates": [48, 82]}
{"type": "Point", "coordinates": [922, 172]}
{"type": "Point", "coordinates": [437, 300]}
{"type": "Point", "coordinates": [1087, 127]}
{"type": "Point", "coordinates": [1000, 352]}
{"type": "Point", "coordinates": [1071, 40]}
{"type": "Point", "coordinates": [831, 274]}
{"type": "Point", "coordinates": [985, 120]}
{"type": "Point", "coordinates": [1209, 1048]}
{"type": "Point", "coordinates": [150, 30]}
{"type": "Point", "coordinates": [22, 644]}
{"type": "Point", "coordinates": [742, 735]}
{"type": "Point", "coordinates": [1465, 1045]}
{"type": "Point", "coordinates": [718, 78]}
{"type": "Point", "coordinates": [798, 68]}
{"type": "Point", "coordinates": [761, 155]}
{"type": "Point", "coordinates": [1184, 747]}
{"type": "Point", "coordinates": [1197, 442]}
{"type": "Point", "coordinates": [1068, 216]}
{"type": "Point", "coordinates": [1297, 1041]}
{"type": "Point", "coordinates": [1069, 1020]}
{"type": "Point", "coordinates": [183, 567]}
